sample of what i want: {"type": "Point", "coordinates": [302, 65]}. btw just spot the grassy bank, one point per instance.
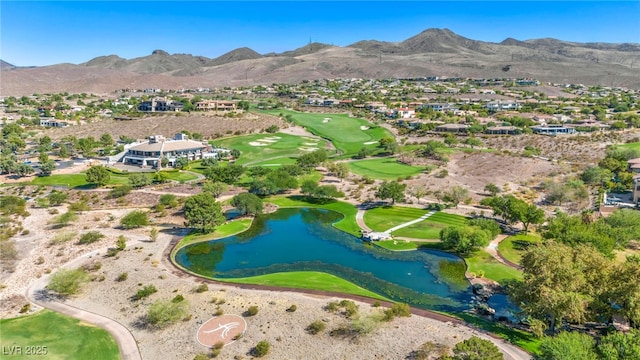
{"type": "Point", "coordinates": [230, 228]}
{"type": "Point", "coordinates": [383, 169]}
{"type": "Point", "coordinates": [312, 280]}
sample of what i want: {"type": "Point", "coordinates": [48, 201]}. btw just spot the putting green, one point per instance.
{"type": "Point", "coordinates": [383, 169]}
{"type": "Point", "coordinates": [347, 134]}
{"type": "Point", "coordinates": [270, 148]}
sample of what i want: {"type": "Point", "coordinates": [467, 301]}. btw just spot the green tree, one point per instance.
{"type": "Point", "coordinates": [138, 180]}
{"type": "Point", "coordinates": [214, 188]}
{"type": "Point", "coordinates": [391, 190]}
{"type": "Point", "coordinates": [135, 219]}
{"type": "Point", "coordinates": [247, 203]}
{"type": "Point", "coordinates": [473, 142]}
{"type": "Point", "coordinates": [492, 189]}
{"type": "Point", "coordinates": [46, 165]}
{"type": "Point", "coordinates": [57, 197]}
{"type": "Point", "coordinates": [476, 348]}
{"type": "Point", "coordinates": [464, 240]}
{"type": "Point", "coordinates": [455, 195]}
{"type": "Point", "coordinates": [181, 163]}
{"type": "Point", "coordinates": [563, 283]}
{"type": "Point", "coordinates": [98, 175]}
{"type": "Point", "coordinates": [203, 212]}
{"type": "Point", "coordinates": [620, 346]}
{"type": "Point", "coordinates": [418, 192]}
{"type": "Point", "coordinates": [160, 177]}
{"type": "Point", "coordinates": [106, 140]}
{"type": "Point", "coordinates": [227, 174]}
{"type": "Point", "coordinates": [568, 346]}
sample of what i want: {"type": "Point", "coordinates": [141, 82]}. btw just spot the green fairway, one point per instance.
{"type": "Point", "coordinates": [307, 280]}
{"type": "Point", "coordinates": [347, 224]}
{"type": "Point", "coordinates": [481, 263]}
{"type": "Point", "coordinates": [347, 134]}
{"type": "Point", "coordinates": [270, 148]}
{"type": "Point", "coordinates": [63, 337]}
{"type": "Point", "coordinates": [513, 247]}
{"type": "Point", "coordinates": [385, 217]}
{"type": "Point", "coordinates": [383, 169]}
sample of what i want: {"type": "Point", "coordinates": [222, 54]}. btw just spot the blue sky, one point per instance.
{"type": "Point", "coordinates": [45, 33]}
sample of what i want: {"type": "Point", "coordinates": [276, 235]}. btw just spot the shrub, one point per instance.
{"type": "Point", "coordinates": [122, 277]}
{"type": "Point", "coordinates": [121, 243]}
{"type": "Point", "coordinates": [63, 237]}
{"type": "Point", "coordinates": [169, 200]}
{"type": "Point", "coordinates": [79, 206]}
{"type": "Point", "coordinates": [25, 308]}
{"type": "Point", "coordinates": [165, 312]}
{"type": "Point", "coordinates": [120, 191]}
{"type": "Point", "coordinates": [178, 298]}
{"type": "Point", "coordinates": [253, 310]}
{"type": "Point", "coordinates": [67, 281]}
{"type": "Point", "coordinates": [201, 288]}
{"type": "Point", "coordinates": [261, 349]}
{"type": "Point", "coordinates": [146, 291]}
{"type": "Point", "coordinates": [64, 219]}
{"type": "Point", "coordinates": [292, 308]}
{"type": "Point", "coordinates": [135, 219]}
{"type": "Point", "coordinates": [316, 327]}
{"type": "Point", "coordinates": [57, 198]}
{"type": "Point", "coordinates": [90, 237]}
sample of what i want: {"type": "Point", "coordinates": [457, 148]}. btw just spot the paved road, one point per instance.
{"type": "Point", "coordinates": [492, 249]}
{"type": "Point", "coordinates": [126, 342]}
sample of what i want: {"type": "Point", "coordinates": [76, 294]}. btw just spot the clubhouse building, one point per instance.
{"type": "Point", "coordinates": [151, 152]}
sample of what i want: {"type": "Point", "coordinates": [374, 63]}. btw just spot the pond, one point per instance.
{"type": "Point", "coordinates": [303, 239]}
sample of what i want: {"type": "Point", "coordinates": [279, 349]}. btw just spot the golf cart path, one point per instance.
{"type": "Point", "coordinates": [364, 227]}
{"type": "Point", "coordinates": [492, 249]}
{"type": "Point", "coordinates": [37, 294]}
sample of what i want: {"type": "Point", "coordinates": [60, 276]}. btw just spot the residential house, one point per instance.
{"type": "Point", "coordinates": [438, 106]}
{"type": "Point", "coordinates": [502, 130]}
{"type": "Point", "coordinates": [157, 147]}
{"type": "Point", "coordinates": [634, 165]}
{"type": "Point", "coordinates": [636, 189]}
{"type": "Point", "coordinates": [217, 105]}
{"type": "Point", "coordinates": [160, 104]}
{"type": "Point", "coordinates": [404, 113]}
{"type": "Point", "coordinates": [51, 122]}
{"type": "Point", "coordinates": [553, 129]}
{"type": "Point", "coordinates": [452, 128]}
{"type": "Point", "coordinates": [494, 106]}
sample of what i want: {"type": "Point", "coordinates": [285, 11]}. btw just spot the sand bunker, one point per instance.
{"type": "Point", "coordinates": [303, 148]}
{"type": "Point", "coordinates": [310, 143]}
{"type": "Point", "coordinates": [268, 140]}
{"type": "Point", "coordinates": [370, 142]}
{"type": "Point", "coordinates": [326, 120]}
{"type": "Point", "coordinates": [256, 143]}
{"type": "Point", "coordinates": [273, 138]}
{"type": "Point", "coordinates": [364, 127]}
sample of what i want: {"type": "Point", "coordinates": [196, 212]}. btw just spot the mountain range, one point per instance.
{"type": "Point", "coordinates": [433, 52]}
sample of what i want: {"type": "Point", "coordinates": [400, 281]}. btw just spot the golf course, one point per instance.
{"type": "Point", "coordinates": [347, 134]}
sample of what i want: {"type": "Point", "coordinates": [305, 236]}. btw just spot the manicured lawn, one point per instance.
{"type": "Point", "coordinates": [275, 163]}
{"type": "Point", "coordinates": [513, 247]}
{"type": "Point", "coordinates": [347, 224]}
{"type": "Point", "coordinates": [385, 217]}
{"type": "Point", "coordinates": [383, 169]}
{"type": "Point", "coordinates": [483, 263]}
{"type": "Point", "coordinates": [64, 337]}
{"type": "Point", "coordinates": [397, 245]}
{"type": "Point", "coordinates": [78, 180]}
{"type": "Point", "coordinates": [180, 176]}
{"type": "Point", "coordinates": [230, 228]}
{"type": "Point", "coordinates": [307, 280]}
{"type": "Point", "coordinates": [270, 148]}
{"type": "Point", "coordinates": [346, 133]}
{"type": "Point", "coordinates": [630, 146]}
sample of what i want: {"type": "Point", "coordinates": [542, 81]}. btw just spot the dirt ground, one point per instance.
{"type": "Point", "coordinates": [209, 125]}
